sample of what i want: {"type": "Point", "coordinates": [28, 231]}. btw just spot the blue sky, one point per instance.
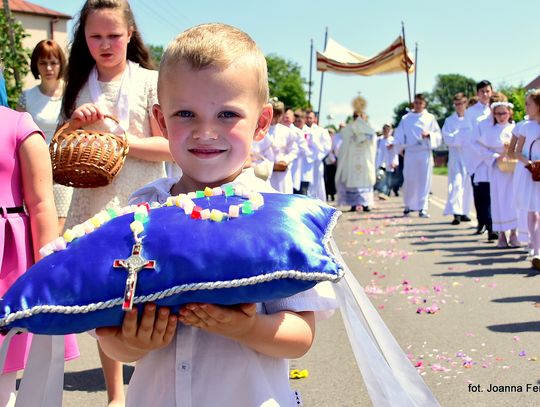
{"type": "Point", "coordinates": [496, 40]}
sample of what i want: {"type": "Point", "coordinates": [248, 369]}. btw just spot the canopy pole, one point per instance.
{"type": "Point", "coordinates": [310, 71]}
{"type": "Point", "coordinates": [406, 60]}
{"type": "Point", "coordinates": [322, 76]}
{"type": "Point", "coordinates": [415, 64]}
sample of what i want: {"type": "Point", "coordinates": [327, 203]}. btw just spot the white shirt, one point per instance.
{"type": "Point", "coordinates": [455, 130]}
{"type": "Point", "coordinates": [386, 157]}
{"type": "Point", "coordinates": [199, 369]}
{"type": "Point", "coordinates": [44, 110]}
{"type": "Point", "coordinates": [475, 111]}
{"type": "Point", "coordinates": [408, 135]}
{"type": "Point", "coordinates": [285, 148]}
{"type": "Point", "coordinates": [304, 153]}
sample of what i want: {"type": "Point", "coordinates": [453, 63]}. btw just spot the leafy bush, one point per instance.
{"type": "Point", "coordinates": [18, 61]}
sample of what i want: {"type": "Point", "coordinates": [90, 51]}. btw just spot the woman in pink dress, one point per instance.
{"type": "Point", "coordinates": [25, 177]}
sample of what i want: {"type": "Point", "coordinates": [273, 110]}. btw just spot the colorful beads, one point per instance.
{"type": "Point", "coordinates": [247, 208]}
{"type": "Point", "coordinates": [112, 213]}
{"type": "Point", "coordinates": [205, 214]}
{"type": "Point", "coordinates": [196, 212]}
{"type": "Point", "coordinates": [234, 211]}
{"type": "Point", "coordinates": [136, 227]}
{"type": "Point", "coordinates": [254, 200]}
{"type": "Point", "coordinates": [68, 236]}
{"type": "Point", "coordinates": [216, 215]}
{"type": "Point", "coordinates": [229, 190]}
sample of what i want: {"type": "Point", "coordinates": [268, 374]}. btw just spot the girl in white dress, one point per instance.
{"type": "Point", "coordinates": [520, 172]}
{"type": "Point", "coordinates": [110, 72]}
{"type": "Point", "coordinates": [494, 141]}
{"type": "Point", "coordinates": [527, 192]}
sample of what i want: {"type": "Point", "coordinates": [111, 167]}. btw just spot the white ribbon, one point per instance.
{"type": "Point", "coordinates": [390, 378]}
{"type": "Point", "coordinates": [43, 379]}
{"type": "Point", "coordinates": [122, 102]}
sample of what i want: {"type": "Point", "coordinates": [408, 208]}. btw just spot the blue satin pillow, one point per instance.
{"type": "Point", "coordinates": [277, 251]}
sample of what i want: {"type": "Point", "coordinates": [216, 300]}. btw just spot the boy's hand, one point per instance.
{"type": "Point", "coordinates": [138, 338]}
{"type": "Point", "coordinates": [233, 322]}
{"type": "Point", "coordinates": [85, 115]}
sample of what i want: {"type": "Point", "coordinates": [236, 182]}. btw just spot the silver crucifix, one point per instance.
{"type": "Point", "coordinates": [133, 264]}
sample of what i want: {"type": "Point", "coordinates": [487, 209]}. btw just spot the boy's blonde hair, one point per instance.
{"type": "Point", "coordinates": [215, 45]}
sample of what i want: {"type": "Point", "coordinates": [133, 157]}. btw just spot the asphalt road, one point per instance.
{"type": "Point", "coordinates": [485, 332]}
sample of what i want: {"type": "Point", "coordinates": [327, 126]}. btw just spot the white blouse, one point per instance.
{"type": "Point", "coordinates": [44, 110]}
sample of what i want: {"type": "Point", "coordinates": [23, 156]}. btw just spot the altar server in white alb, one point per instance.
{"type": "Point", "coordinates": [495, 135]}
{"type": "Point", "coordinates": [456, 131]}
{"type": "Point", "coordinates": [474, 114]}
{"type": "Point", "coordinates": [285, 150]}
{"type": "Point", "coordinates": [303, 173]}
{"type": "Point", "coordinates": [288, 120]}
{"type": "Point", "coordinates": [355, 175]}
{"type": "Point", "coordinates": [416, 136]}
{"type": "Point", "coordinates": [320, 143]}
{"type": "Point", "coordinates": [386, 160]}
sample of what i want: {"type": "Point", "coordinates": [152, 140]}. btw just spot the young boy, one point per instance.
{"type": "Point", "coordinates": [213, 96]}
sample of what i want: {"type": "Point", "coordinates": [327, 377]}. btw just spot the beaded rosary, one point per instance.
{"type": "Point", "coordinates": [136, 262]}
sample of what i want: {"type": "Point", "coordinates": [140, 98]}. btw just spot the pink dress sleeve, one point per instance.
{"type": "Point", "coordinates": [26, 127]}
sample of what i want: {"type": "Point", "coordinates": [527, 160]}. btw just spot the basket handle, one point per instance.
{"type": "Point", "coordinates": [67, 123]}
{"type": "Point", "coordinates": [530, 149]}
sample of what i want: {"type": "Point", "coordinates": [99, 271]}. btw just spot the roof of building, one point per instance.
{"type": "Point", "coordinates": [534, 84]}
{"type": "Point", "coordinates": [25, 7]}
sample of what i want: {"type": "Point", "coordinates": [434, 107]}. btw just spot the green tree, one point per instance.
{"type": "Point", "coordinates": [435, 107]}
{"type": "Point", "coordinates": [17, 61]}
{"type": "Point", "coordinates": [516, 96]}
{"type": "Point", "coordinates": [156, 51]}
{"type": "Point", "coordinates": [446, 86]}
{"type": "Point", "coordinates": [400, 111]}
{"type": "Point", "coordinates": [286, 82]}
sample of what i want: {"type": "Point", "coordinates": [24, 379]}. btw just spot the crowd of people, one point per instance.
{"type": "Point", "coordinates": [487, 156]}
{"type": "Point", "coordinates": [109, 72]}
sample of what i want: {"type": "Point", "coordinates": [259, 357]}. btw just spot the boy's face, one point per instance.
{"type": "Point", "coordinates": [460, 106]}
{"type": "Point", "coordinates": [211, 118]}
{"type": "Point", "coordinates": [288, 118]}
{"type": "Point", "coordinates": [299, 122]}
{"type": "Point", "coordinates": [484, 94]}
{"type": "Point", "coordinates": [419, 105]}
{"type": "Point", "coordinates": [310, 119]}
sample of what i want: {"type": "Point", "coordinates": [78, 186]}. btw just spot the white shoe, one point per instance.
{"type": "Point", "coordinates": [423, 214]}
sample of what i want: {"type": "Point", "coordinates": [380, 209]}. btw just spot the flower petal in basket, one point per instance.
{"type": "Point", "coordinates": [278, 250]}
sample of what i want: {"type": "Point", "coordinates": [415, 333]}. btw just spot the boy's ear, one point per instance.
{"type": "Point", "coordinates": [158, 115]}
{"type": "Point", "coordinates": [263, 124]}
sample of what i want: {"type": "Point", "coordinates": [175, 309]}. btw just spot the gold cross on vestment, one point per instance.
{"type": "Point", "coordinates": [133, 264]}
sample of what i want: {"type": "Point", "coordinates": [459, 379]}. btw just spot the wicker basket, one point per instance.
{"type": "Point", "coordinates": [507, 164]}
{"type": "Point", "coordinates": [87, 159]}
